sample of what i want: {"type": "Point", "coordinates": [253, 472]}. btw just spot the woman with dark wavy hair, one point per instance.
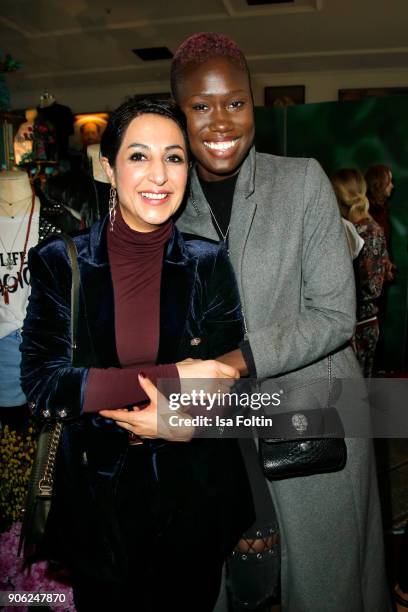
{"type": "Point", "coordinates": [379, 188]}
{"type": "Point", "coordinates": [142, 523]}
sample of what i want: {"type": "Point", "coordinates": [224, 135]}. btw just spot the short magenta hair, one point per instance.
{"type": "Point", "coordinates": [201, 47]}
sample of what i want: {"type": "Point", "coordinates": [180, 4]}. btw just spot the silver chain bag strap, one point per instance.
{"type": "Point", "coordinates": [42, 479]}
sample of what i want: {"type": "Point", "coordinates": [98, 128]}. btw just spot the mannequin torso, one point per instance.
{"type": "Point", "coordinates": [22, 226]}
{"type": "Point", "coordinates": [15, 193]}
{"type": "Point", "coordinates": [19, 231]}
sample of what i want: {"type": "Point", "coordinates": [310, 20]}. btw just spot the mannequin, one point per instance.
{"type": "Point", "coordinates": [62, 120]}
{"type": "Point", "coordinates": [101, 182]}
{"type": "Point", "coordinates": [19, 231]}
{"type": "Point", "coordinates": [17, 206]}
{"type": "Point", "coordinates": [30, 115]}
{"type": "Point", "coordinates": [15, 190]}
{"type": "Point", "coordinates": [17, 236]}
{"type": "Point", "coordinates": [23, 140]}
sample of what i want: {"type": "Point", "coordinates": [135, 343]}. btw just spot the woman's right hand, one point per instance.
{"type": "Point", "coordinates": [209, 368]}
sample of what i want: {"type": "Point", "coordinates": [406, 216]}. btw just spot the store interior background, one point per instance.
{"type": "Point", "coordinates": [82, 49]}
{"type": "Point", "coordinates": [81, 52]}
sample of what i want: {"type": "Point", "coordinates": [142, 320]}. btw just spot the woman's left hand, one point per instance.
{"type": "Point", "coordinates": [145, 422]}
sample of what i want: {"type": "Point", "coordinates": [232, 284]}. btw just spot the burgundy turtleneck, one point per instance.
{"type": "Point", "coordinates": [136, 260]}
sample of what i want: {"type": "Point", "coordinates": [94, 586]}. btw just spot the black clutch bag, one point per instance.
{"type": "Point", "coordinates": [33, 541]}
{"type": "Point", "coordinates": [301, 456]}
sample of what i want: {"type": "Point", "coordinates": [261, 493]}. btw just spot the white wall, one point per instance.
{"type": "Point", "coordinates": [320, 87]}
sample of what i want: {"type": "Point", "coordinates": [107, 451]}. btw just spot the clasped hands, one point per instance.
{"type": "Point", "coordinates": [144, 422]}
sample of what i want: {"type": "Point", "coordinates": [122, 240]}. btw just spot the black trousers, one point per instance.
{"type": "Point", "coordinates": [170, 556]}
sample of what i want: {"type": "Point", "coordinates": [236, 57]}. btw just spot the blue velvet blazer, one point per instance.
{"type": "Point", "coordinates": [199, 299]}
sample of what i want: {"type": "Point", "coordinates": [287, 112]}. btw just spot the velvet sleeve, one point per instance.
{"type": "Point", "coordinates": [53, 387]}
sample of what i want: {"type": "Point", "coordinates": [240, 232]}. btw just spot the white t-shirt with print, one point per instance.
{"type": "Point", "coordinates": [12, 314]}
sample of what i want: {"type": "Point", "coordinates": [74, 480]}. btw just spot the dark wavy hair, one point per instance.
{"type": "Point", "coordinates": [201, 47]}
{"type": "Point", "coordinates": [122, 116]}
{"type": "Point", "coordinates": [377, 178]}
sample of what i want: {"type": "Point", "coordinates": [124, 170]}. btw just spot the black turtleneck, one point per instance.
{"type": "Point", "coordinates": [219, 195]}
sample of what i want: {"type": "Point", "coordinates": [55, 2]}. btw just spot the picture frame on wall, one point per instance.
{"type": "Point", "coordinates": [347, 95]}
{"type": "Point", "coordinates": [284, 95]}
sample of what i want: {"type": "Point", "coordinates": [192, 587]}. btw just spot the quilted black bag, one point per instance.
{"type": "Point", "coordinates": [283, 458]}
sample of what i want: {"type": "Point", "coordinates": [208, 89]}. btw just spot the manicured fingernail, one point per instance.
{"type": "Point", "coordinates": [142, 374]}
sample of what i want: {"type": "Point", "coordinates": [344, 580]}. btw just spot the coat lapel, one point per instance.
{"type": "Point", "coordinates": [178, 279]}
{"type": "Point", "coordinates": [196, 218]}
{"type": "Point", "coordinates": [242, 215]}
{"type": "Point", "coordinates": [177, 284]}
{"type": "Point", "coordinates": [98, 316]}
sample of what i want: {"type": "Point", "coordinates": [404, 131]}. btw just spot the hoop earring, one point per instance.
{"type": "Point", "coordinates": [113, 200]}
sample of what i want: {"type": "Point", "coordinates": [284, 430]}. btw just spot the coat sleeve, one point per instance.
{"type": "Point", "coordinates": [223, 314]}
{"type": "Point", "coordinates": [326, 319]}
{"type": "Point", "coordinates": [52, 386]}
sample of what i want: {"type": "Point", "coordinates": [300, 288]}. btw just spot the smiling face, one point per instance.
{"type": "Point", "coordinates": [216, 98]}
{"type": "Point", "coordinates": [150, 171]}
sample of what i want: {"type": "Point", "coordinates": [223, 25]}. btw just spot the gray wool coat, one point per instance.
{"type": "Point", "coordinates": [289, 253]}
